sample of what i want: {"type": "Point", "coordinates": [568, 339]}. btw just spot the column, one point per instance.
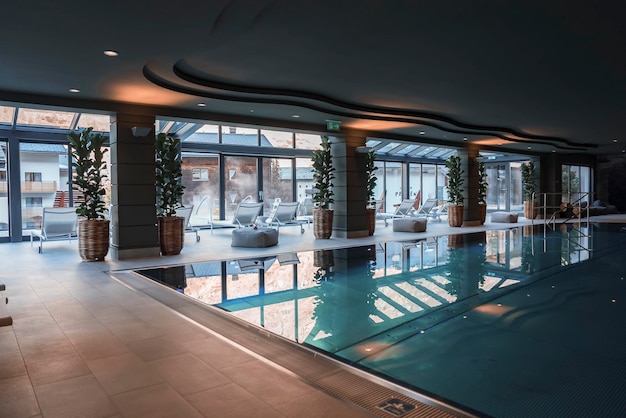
{"type": "Point", "coordinates": [469, 164]}
{"type": "Point", "coordinates": [133, 192]}
{"type": "Point", "coordinates": [350, 219]}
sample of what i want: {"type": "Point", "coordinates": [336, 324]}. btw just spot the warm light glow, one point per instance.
{"type": "Point", "coordinates": [111, 53]}
{"type": "Point", "coordinates": [74, 91]}
{"type": "Point", "coordinates": [147, 94]}
{"type": "Point", "coordinates": [376, 125]}
{"type": "Point", "coordinates": [492, 141]}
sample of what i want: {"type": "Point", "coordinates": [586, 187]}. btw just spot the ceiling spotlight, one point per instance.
{"type": "Point", "coordinates": [295, 116]}
{"type": "Point", "coordinates": [251, 110]}
{"type": "Point", "coordinates": [615, 140]}
{"type": "Point", "coordinates": [422, 133]}
{"type": "Point", "coordinates": [74, 91]}
{"type": "Point", "coordinates": [201, 104]}
{"type": "Point", "coordinates": [465, 139]}
{"type": "Point", "coordinates": [111, 53]}
{"type": "Point", "coordinates": [528, 147]}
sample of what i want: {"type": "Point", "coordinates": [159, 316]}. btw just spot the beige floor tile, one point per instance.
{"type": "Point", "coordinates": [11, 364]}
{"type": "Point", "coordinates": [159, 401]}
{"type": "Point", "coordinates": [17, 398]}
{"type": "Point", "coordinates": [132, 329]}
{"type": "Point", "coordinates": [156, 348]}
{"type": "Point", "coordinates": [267, 383]}
{"type": "Point", "coordinates": [77, 397]}
{"type": "Point", "coordinates": [187, 374]}
{"type": "Point", "coordinates": [230, 401]}
{"type": "Point", "coordinates": [100, 346]}
{"type": "Point", "coordinates": [49, 346]}
{"type": "Point", "coordinates": [318, 404]}
{"type": "Point", "coordinates": [218, 354]}
{"type": "Point", "coordinates": [123, 373]}
{"type": "Point", "coordinates": [54, 369]}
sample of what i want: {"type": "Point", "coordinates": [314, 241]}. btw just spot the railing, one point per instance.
{"type": "Point", "coordinates": [39, 187]}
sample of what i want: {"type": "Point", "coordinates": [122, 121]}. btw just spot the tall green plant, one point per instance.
{"type": "Point", "coordinates": [370, 171]}
{"type": "Point", "coordinates": [89, 166]}
{"type": "Point", "coordinates": [528, 180]}
{"type": "Point", "coordinates": [455, 180]}
{"type": "Point", "coordinates": [169, 174]}
{"type": "Point", "coordinates": [482, 183]}
{"type": "Point", "coordinates": [323, 175]}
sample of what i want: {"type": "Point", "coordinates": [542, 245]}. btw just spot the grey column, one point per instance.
{"type": "Point", "coordinates": [133, 193]}
{"type": "Point", "coordinates": [349, 219]}
{"type": "Point", "coordinates": [469, 164]}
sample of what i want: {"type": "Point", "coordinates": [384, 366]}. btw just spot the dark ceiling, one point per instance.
{"type": "Point", "coordinates": [539, 75]}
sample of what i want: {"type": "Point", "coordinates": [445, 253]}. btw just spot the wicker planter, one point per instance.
{"type": "Point", "coordinates": [323, 258]}
{"type": "Point", "coordinates": [530, 211]}
{"type": "Point", "coordinates": [171, 234]}
{"type": "Point", "coordinates": [371, 220]}
{"type": "Point", "coordinates": [93, 239]}
{"type": "Point", "coordinates": [482, 213]}
{"type": "Point", "coordinates": [455, 215]}
{"type": "Point", "coordinates": [456, 241]}
{"type": "Point", "coordinates": [322, 223]}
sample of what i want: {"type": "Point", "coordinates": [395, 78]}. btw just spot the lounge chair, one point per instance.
{"type": "Point", "coordinates": [283, 214]}
{"type": "Point", "coordinates": [406, 208]}
{"type": "Point", "coordinates": [245, 215]}
{"type": "Point", "coordinates": [186, 213]}
{"type": "Point", "coordinates": [56, 224]}
{"type": "Point", "coordinates": [426, 208]}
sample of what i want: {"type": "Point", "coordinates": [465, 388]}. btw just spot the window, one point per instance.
{"type": "Point", "coordinates": [32, 176]}
{"type": "Point", "coordinates": [200, 174]}
{"type": "Point", "coordinates": [34, 202]}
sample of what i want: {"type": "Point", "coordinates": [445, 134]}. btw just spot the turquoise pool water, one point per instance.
{"type": "Point", "coordinates": [519, 322]}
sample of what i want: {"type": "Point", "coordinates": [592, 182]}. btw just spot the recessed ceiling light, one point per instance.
{"type": "Point", "coordinates": [615, 140]}
{"type": "Point", "coordinates": [251, 110]}
{"type": "Point", "coordinates": [465, 139]}
{"type": "Point", "coordinates": [201, 104]}
{"type": "Point", "coordinates": [74, 91]}
{"type": "Point", "coordinates": [295, 116]}
{"type": "Point", "coordinates": [553, 150]}
{"type": "Point", "coordinates": [111, 53]}
{"type": "Point", "coordinates": [528, 147]}
{"type": "Point", "coordinates": [422, 133]}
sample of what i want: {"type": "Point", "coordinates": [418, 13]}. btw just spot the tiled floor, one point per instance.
{"type": "Point", "coordinates": [85, 345]}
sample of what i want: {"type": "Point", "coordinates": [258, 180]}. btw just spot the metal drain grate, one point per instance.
{"type": "Point", "coordinates": [371, 396]}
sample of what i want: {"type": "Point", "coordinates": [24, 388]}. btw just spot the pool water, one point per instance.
{"type": "Point", "coordinates": [519, 322]}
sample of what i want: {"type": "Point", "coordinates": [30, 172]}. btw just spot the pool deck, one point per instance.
{"type": "Point", "coordinates": [85, 343]}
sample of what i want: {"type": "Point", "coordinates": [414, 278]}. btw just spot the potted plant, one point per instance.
{"type": "Point", "coordinates": [529, 188]}
{"type": "Point", "coordinates": [370, 173]}
{"type": "Point", "coordinates": [89, 168]}
{"type": "Point", "coordinates": [455, 191]}
{"type": "Point", "coordinates": [482, 192]}
{"type": "Point", "coordinates": [323, 175]}
{"type": "Point", "coordinates": [169, 193]}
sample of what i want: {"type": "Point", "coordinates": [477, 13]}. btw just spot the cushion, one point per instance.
{"type": "Point", "coordinates": [254, 237]}
{"type": "Point", "coordinates": [409, 224]}
{"type": "Point", "coordinates": [504, 217]}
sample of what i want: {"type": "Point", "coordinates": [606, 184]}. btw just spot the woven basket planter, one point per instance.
{"type": "Point", "coordinates": [371, 220]}
{"type": "Point", "coordinates": [323, 258]}
{"type": "Point", "coordinates": [322, 223]}
{"type": "Point", "coordinates": [530, 211]}
{"type": "Point", "coordinates": [455, 215]}
{"type": "Point", "coordinates": [93, 239]}
{"type": "Point", "coordinates": [482, 213]}
{"type": "Point", "coordinates": [171, 234]}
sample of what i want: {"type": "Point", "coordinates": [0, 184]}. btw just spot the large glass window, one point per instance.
{"type": "Point", "coordinates": [277, 181]}
{"type": "Point", "coordinates": [276, 139]}
{"type": "Point", "coordinates": [236, 135]}
{"type": "Point", "coordinates": [304, 185]}
{"type": "Point", "coordinates": [44, 168]}
{"type": "Point", "coordinates": [308, 141]}
{"type": "Point", "coordinates": [575, 183]}
{"type": "Point", "coordinates": [241, 181]}
{"type": "Point", "coordinates": [201, 178]}
{"type": "Point", "coordinates": [4, 189]}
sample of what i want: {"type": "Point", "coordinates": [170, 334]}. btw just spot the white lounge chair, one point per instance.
{"type": "Point", "coordinates": [406, 208]}
{"type": "Point", "coordinates": [245, 215]}
{"type": "Point", "coordinates": [283, 214]}
{"type": "Point", "coordinates": [186, 213]}
{"type": "Point", "coordinates": [56, 224]}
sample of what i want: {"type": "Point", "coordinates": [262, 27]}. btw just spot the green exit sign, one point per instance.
{"type": "Point", "coordinates": [333, 125]}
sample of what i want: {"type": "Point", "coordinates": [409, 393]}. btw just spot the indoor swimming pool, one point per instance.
{"type": "Point", "coordinates": [526, 321]}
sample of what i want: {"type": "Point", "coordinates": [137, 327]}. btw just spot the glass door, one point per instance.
{"type": "Point", "coordinates": [241, 182]}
